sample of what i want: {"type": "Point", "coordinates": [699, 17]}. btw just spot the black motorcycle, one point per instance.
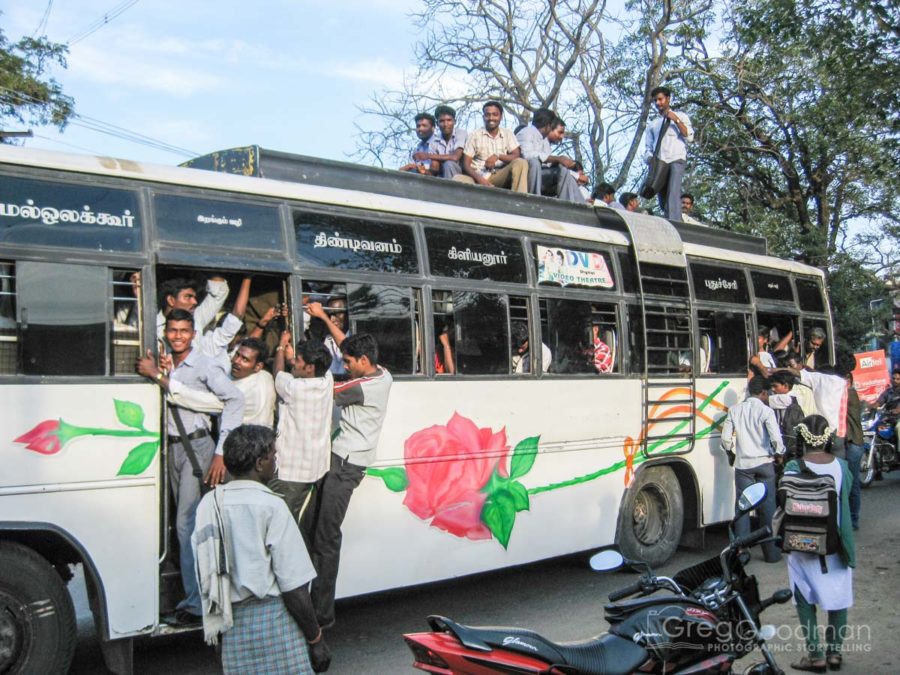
{"type": "Point", "coordinates": [881, 453]}
{"type": "Point", "coordinates": [707, 619]}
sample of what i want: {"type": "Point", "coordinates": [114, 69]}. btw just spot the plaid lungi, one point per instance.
{"type": "Point", "coordinates": [265, 639]}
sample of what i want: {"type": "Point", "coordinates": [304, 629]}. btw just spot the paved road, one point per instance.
{"type": "Point", "coordinates": [563, 599]}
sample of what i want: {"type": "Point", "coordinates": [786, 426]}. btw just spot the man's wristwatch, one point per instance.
{"type": "Point", "coordinates": [159, 376]}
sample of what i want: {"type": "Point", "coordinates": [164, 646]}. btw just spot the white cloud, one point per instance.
{"type": "Point", "coordinates": [376, 71]}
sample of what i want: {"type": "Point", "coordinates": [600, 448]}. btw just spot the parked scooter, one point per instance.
{"type": "Point", "coordinates": [707, 619]}
{"type": "Point", "coordinates": [881, 454]}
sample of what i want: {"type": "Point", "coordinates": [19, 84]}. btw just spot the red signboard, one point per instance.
{"type": "Point", "coordinates": [870, 377]}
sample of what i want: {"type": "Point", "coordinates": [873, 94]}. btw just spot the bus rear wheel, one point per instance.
{"type": "Point", "coordinates": [652, 516]}
{"type": "Point", "coordinates": [37, 619]}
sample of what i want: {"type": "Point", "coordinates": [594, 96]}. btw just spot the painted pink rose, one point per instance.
{"type": "Point", "coordinates": [447, 467]}
{"type": "Point", "coordinates": [44, 438]}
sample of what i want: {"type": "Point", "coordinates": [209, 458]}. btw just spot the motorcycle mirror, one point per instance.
{"type": "Point", "coordinates": [767, 631]}
{"type": "Point", "coordinates": [751, 497]}
{"type": "Point", "coordinates": [607, 561]}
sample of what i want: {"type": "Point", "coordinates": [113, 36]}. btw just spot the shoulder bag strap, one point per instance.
{"type": "Point", "coordinates": [662, 132]}
{"type": "Point", "coordinates": [189, 449]}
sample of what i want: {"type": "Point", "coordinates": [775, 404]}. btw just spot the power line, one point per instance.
{"type": "Point", "coordinates": [94, 124]}
{"type": "Point", "coordinates": [43, 23]}
{"type": "Point", "coordinates": [97, 24]}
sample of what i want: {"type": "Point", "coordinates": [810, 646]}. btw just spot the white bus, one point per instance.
{"type": "Point", "coordinates": [492, 454]}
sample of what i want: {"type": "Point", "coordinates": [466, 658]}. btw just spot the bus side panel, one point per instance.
{"type": "Point", "coordinates": [393, 538]}
{"type": "Point", "coordinates": [84, 459]}
{"type": "Point", "coordinates": [715, 477]}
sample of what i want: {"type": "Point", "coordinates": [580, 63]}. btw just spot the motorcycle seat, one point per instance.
{"type": "Point", "coordinates": [603, 655]}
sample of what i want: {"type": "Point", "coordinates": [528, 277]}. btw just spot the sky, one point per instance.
{"type": "Point", "coordinates": [208, 75]}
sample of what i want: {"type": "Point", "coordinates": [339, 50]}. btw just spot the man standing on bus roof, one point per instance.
{"type": "Point", "coordinates": [196, 371]}
{"type": "Point", "coordinates": [421, 156]}
{"type": "Point", "coordinates": [492, 156]}
{"type": "Point", "coordinates": [672, 151]}
{"type": "Point", "coordinates": [447, 144]}
{"type": "Point", "coordinates": [363, 405]}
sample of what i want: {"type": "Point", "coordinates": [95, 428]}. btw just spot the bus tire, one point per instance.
{"type": "Point", "coordinates": [37, 619]}
{"type": "Point", "coordinates": [652, 516]}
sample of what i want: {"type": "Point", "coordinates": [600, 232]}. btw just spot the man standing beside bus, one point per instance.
{"type": "Point", "coordinates": [363, 404]}
{"type": "Point", "coordinates": [196, 371]}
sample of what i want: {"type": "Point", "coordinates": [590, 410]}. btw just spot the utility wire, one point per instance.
{"type": "Point", "coordinates": [93, 124]}
{"type": "Point", "coordinates": [97, 24]}
{"type": "Point", "coordinates": [43, 24]}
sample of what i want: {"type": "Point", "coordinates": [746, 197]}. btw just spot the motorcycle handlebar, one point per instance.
{"type": "Point", "coordinates": [625, 592]}
{"type": "Point", "coordinates": [752, 538]}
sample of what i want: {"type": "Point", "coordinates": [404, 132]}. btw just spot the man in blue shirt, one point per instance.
{"type": "Point", "coordinates": [446, 148]}
{"type": "Point", "coordinates": [421, 162]}
{"type": "Point", "coordinates": [195, 371]}
{"type": "Point", "coordinates": [547, 174]}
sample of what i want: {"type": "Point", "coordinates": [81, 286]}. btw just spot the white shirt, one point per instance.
{"type": "Point", "coordinates": [533, 144]}
{"type": "Point", "coordinates": [830, 393]}
{"type": "Point", "coordinates": [674, 145]}
{"type": "Point", "coordinates": [259, 398]}
{"type": "Point", "coordinates": [753, 427]}
{"type": "Point", "coordinates": [804, 397]}
{"type": "Point", "coordinates": [521, 363]}
{"type": "Point", "coordinates": [480, 145]}
{"type": "Point", "coordinates": [303, 443]}
{"type": "Point", "coordinates": [266, 553]}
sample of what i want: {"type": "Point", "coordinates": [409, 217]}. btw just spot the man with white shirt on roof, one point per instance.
{"type": "Point", "coordinates": [677, 132]}
{"type": "Point", "coordinates": [547, 173]}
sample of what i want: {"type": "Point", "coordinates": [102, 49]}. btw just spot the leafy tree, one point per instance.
{"type": "Point", "coordinates": [27, 94]}
{"type": "Point", "coordinates": [537, 53]}
{"type": "Point", "coordinates": [796, 113]}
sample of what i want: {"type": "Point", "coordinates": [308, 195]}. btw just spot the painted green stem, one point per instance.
{"type": "Point", "coordinates": [617, 466]}
{"type": "Point", "coordinates": [74, 431]}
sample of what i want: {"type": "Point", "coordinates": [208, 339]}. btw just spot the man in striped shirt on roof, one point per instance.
{"type": "Point", "coordinates": [304, 419]}
{"type": "Point", "coordinates": [363, 402]}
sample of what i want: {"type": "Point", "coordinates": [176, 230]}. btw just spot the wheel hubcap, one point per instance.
{"type": "Point", "coordinates": [651, 515]}
{"type": "Point", "coordinates": [13, 631]}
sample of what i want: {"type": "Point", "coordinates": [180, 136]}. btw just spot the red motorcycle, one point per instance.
{"type": "Point", "coordinates": [707, 619]}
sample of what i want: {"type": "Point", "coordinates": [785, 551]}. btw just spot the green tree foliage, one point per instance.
{"type": "Point", "coordinates": [28, 95]}
{"type": "Point", "coordinates": [796, 111]}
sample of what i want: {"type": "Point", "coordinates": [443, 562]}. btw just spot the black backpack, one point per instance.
{"type": "Point", "coordinates": [806, 518]}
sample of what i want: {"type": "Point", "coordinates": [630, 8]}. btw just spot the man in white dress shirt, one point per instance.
{"type": "Point", "coordinates": [673, 149]}
{"type": "Point", "coordinates": [547, 173]}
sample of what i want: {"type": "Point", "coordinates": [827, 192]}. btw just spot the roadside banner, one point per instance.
{"type": "Point", "coordinates": [870, 377]}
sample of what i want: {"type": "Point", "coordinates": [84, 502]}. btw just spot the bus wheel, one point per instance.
{"type": "Point", "coordinates": [37, 620]}
{"type": "Point", "coordinates": [652, 516]}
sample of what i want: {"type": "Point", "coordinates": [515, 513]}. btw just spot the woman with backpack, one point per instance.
{"type": "Point", "coordinates": [820, 580]}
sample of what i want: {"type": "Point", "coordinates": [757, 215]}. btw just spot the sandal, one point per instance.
{"type": "Point", "coordinates": [834, 661]}
{"type": "Point", "coordinates": [809, 665]}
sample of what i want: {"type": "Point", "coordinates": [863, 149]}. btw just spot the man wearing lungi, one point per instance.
{"type": "Point", "coordinates": [253, 568]}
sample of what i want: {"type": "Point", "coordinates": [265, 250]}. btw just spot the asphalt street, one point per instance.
{"type": "Point", "coordinates": [563, 599]}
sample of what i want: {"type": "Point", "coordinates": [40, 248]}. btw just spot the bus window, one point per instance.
{"type": "Point", "coordinates": [523, 360]}
{"type": "Point", "coordinates": [464, 255]}
{"type": "Point", "coordinates": [477, 325]}
{"type": "Point", "coordinates": [809, 293]}
{"type": "Point", "coordinates": [62, 305]}
{"type": "Point", "coordinates": [126, 335]}
{"type": "Point", "coordinates": [582, 335]}
{"type": "Point", "coordinates": [8, 324]}
{"type": "Point", "coordinates": [769, 286]}
{"type": "Point", "coordinates": [635, 322]}
{"type": "Point", "coordinates": [815, 351]}
{"type": "Point", "coordinates": [722, 343]}
{"type": "Point", "coordinates": [385, 312]}
{"type": "Point", "coordinates": [781, 332]}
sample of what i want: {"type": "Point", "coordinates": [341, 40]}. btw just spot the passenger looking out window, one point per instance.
{"type": "Point", "coordinates": [520, 352]}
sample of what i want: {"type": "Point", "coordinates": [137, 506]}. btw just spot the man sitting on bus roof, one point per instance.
{"type": "Point", "coordinates": [194, 370]}
{"type": "Point", "coordinates": [492, 156]}
{"type": "Point", "coordinates": [447, 143]}
{"type": "Point", "coordinates": [547, 174]}
{"type": "Point", "coordinates": [421, 156]}
{"type": "Point", "coordinates": [604, 196]}
{"type": "Point", "coordinates": [629, 201]}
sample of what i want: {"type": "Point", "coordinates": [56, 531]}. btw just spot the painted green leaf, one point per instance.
{"type": "Point", "coordinates": [523, 457]}
{"type": "Point", "coordinates": [519, 496]}
{"type": "Point", "coordinates": [138, 459]}
{"type": "Point", "coordinates": [495, 483]}
{"type": "Point", "coordinates": [395, 478]}
{"type": "Point", "coordinates": [499, 514]}
{"type": "Point", "coordinates": [130, 414]}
